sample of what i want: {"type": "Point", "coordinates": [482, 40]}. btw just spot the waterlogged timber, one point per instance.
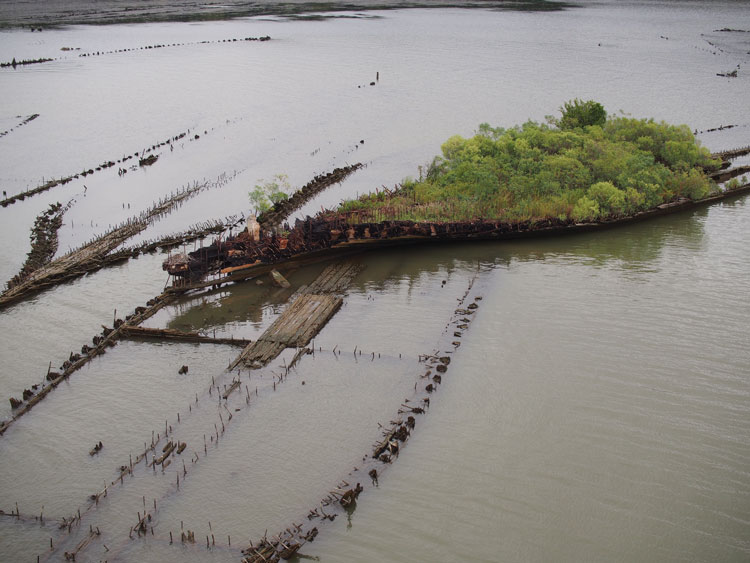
{"type": "Point", "coordinates": [310, 308]}
{"type": "Point", "coordinates": [142, 160]}
{"type": "Point", "coordinates": [93, 254]}
{"type": "Point", "coordinates": [139, 332]}
{"type": "Point", "coordinates": [76, 361]}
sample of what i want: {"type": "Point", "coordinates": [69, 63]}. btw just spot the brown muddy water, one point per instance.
{"type": "Point", "coordinates": [598, 407]}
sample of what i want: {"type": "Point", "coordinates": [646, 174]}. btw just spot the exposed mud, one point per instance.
{"type": "Point", "coordinates": [38, 15]}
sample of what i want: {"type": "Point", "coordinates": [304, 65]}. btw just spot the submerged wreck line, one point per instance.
{"type": "Point", "coordinates": [281, 210]}
{"type": "Point", "coordinates": [27, 120]}
{"type": "Point", "coordinates": [9, 200]}
{"type": "Point", "coordinates": [108, 338]}
{"type": "Point", "coordinates": [343, 498]}
{"type": "Point", "coordinates": [43, 241]}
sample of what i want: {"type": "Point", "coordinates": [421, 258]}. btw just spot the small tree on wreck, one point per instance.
{"type": "Point", "coordinates": [266, 194]}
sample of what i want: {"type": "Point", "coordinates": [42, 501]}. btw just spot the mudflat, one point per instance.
{"type": "Point", "coordinates": [65, 12]}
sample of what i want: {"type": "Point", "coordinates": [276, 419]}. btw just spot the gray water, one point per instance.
{"type": "Point", "coordinates": [599, 406]}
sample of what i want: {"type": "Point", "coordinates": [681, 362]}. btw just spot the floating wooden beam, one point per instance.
{"type": "Point", "coordinates": [179, 335]}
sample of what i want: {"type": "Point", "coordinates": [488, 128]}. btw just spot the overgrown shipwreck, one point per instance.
{"type": "Point", "coordinates": [262, 247]}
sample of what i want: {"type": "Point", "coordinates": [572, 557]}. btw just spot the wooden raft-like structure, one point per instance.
{"type": "Point", "coordinates": [310, 308]}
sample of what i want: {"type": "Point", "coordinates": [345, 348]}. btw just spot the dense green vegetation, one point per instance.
{"type": "Point", "coordinates": [581, 167]}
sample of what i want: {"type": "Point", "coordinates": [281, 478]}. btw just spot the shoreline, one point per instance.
{"type": "Point", "coordinates": [59, 13]}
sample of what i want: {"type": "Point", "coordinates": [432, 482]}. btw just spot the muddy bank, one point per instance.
{"type": "Point", "coordinates": [63, 12]}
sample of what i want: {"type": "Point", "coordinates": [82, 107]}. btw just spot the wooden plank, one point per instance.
{"type": "Point", "coordinates": [309, 310]}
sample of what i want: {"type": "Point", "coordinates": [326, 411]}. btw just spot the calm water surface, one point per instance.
{"type": "Point", "coordinates": [599, 406]}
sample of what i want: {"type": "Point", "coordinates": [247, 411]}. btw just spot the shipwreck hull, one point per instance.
{"type": "Point", "coordinates": [401, 233]}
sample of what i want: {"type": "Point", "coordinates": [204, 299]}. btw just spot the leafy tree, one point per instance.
{"type": "Point", "coordinates": [266, 194]}
{"type": "Point", "coordinates": [577, 113]}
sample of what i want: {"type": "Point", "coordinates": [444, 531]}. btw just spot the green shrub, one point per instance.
{"type": "Point", "coordinates": [585, 209]}
{"type": "Point", "coordinates": [577, 113]}
{"type": "Point", "coordinates": [610, 200]}
{"type": "Point", "coordinates": [587, 168]}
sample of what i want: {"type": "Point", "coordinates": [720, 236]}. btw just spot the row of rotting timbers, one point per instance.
{"type": "Point", "coordinates": [343, 498]}
{"type": "Point", "coordinates": [14, 63]}
{"type": "Point", "coordinates": [282, 209]}
{"type": "Point", "coordinates": [152, 455]}
{"type": "Point", "coordinates": [339, 500]}
{"type": "Point", "coordinates": [99, 344]}
{"type": "Point", "coordinates": [143, 160]}
{"type": "Point", "coordinates": [162, 456]}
